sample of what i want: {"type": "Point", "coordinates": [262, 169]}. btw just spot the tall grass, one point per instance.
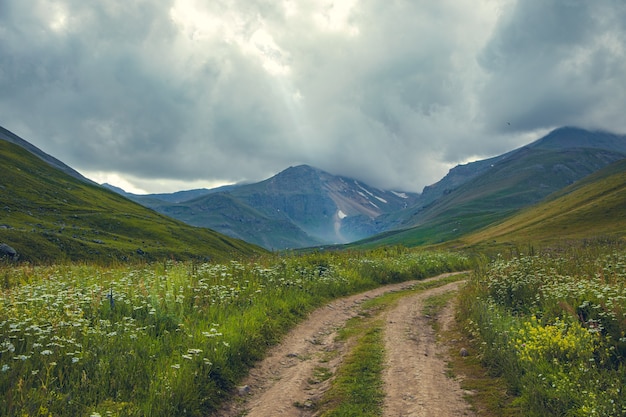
{"type": "Point", "coordinates": [553, 325]}
{"type": "Point", "coordinates": [169, 338]}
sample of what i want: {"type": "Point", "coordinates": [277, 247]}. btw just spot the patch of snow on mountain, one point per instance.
{"type": "Point", "coordinates": [401, 195]}
{"type": "Point", "coordinates": [364, 189]}
{"type": "Point", "coordinates": [341, 215]}
{"type": "Point", "coordinates": [382, 200]}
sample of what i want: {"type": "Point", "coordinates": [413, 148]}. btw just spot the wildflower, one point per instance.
{"type": "Point", "coordinates": [5, 367]}
{"type": "Point", "coordinates": [187, 357]}
{"type": "Point", "coordinates": [176, 366]}
{"type": "Point", "coordinates": [46, 352]}
{"type": "Point", "coordinates": [9, 346]}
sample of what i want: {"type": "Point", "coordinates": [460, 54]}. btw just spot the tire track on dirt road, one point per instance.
{"type": "Point", "coordinates": [415, 377]}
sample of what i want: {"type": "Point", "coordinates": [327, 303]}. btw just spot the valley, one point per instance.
{"type": "Point", "coordinates": [315, 294]}
{"type": "Point", "coordinates": [303, 206]}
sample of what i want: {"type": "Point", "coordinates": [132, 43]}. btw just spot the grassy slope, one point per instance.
{"type": "Point", "coordinates": [594, 206]}
{"type": "Point", "coordinates": [49, 216]}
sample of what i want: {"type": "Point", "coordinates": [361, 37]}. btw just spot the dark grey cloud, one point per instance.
{"type": "Point", "coordinates": [557, 62]}
{"type": "Point", "coordinates": [394, 92]}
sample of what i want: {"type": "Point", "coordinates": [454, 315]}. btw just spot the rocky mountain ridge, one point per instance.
{"type": "Point", "coordinates": [300, 206]}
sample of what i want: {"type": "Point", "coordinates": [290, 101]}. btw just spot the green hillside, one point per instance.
{"type": "Point", "coordinates": [47, 215]}
{"type": "Point", "coordinates": [592, 207]}
{"type": "Point", "coordinates": [524, 178]}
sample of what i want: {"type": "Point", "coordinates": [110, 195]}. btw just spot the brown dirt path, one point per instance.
{"type": "Point", "coordinates": [285, 382]}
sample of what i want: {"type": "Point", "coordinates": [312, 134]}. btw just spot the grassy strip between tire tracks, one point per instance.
{"type": "Point", "coordinates": [358, 386]}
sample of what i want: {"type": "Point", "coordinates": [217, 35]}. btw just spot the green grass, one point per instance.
{"type": "Point", "coordinates": [489, 393]}
{"type": "Point", "coordinates": [358, 388]}
{"type": "Point", "coordinates": [432, 306]}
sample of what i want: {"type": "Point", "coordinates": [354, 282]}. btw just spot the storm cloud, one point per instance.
{"type": "Point", "coordinates": [170, 95]}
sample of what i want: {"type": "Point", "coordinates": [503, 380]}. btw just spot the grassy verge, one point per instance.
{"type": "Point", "coordinates": [551, 326]}
{"type": "Point", "coordinates": [358, 387]}
{"type": "Point", "coordinates": [432, 306]}
{"type": "Point", "coordinates": [487, 393]}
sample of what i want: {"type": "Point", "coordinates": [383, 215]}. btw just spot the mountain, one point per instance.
{"type": "Point", "coordinates": [48, 215]}
{"type": "Point", "coordinates": [499, 187]}
{"type": "Point", "coordinates": [572, 137]}
{"type": "Point", "coordinates": [328, 207]}
{"type": "Point", "coordinates": [50, 211]}
{"type": "Point", "coordinates": [594, 207]}
{"type": "Point", "coordinates": [559, 139]}
{"type": "Point", "coordinates": [300, 206]}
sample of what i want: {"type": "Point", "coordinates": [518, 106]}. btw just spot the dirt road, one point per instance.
{"type": "Point", "coordinates": [285, 383]}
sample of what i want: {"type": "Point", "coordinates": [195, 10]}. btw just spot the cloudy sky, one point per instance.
{"type": "Point", "coordinates": [164, 95]}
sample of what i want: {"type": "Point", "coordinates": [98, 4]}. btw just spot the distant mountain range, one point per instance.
{"type": "Point", "coordinates": [303, 206]}
{"type": "Point", "coordinates": [592, 208]}
{"type": "Point", "coordinates": [300, 206]}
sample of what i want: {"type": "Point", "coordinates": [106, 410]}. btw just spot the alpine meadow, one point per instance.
{"type": "Point", "coordinates": [110, 308]}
